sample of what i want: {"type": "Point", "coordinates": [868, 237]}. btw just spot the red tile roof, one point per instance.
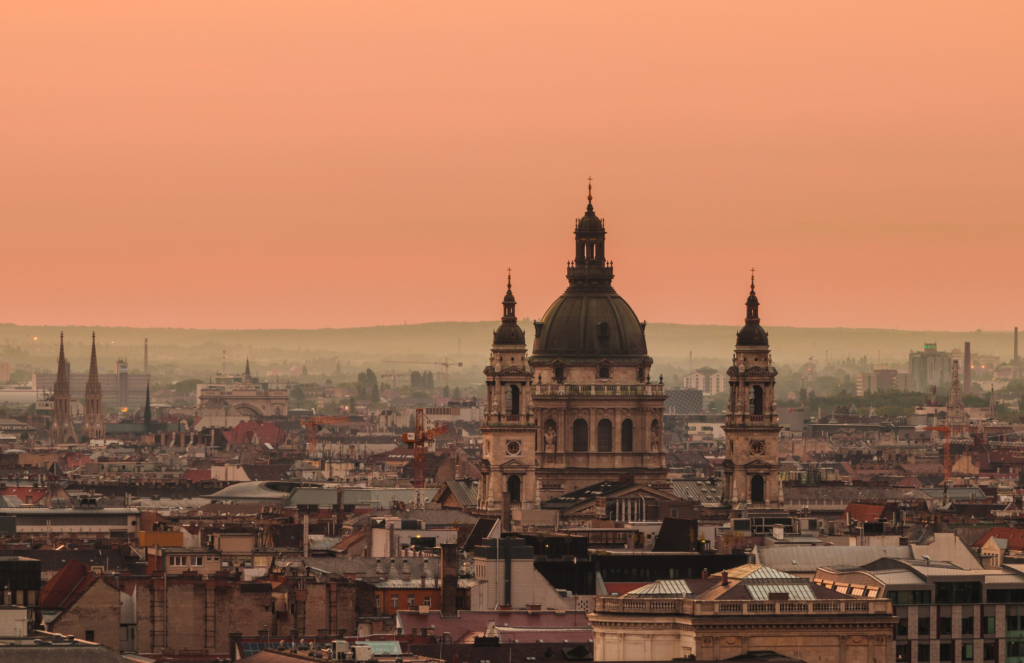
{"type": "Point", "coordinates": [865, 513]}
{"type": "Point", "coordinates": [196, 476]}
{"type": "Point", "coordinates": [26, 495]}
{"type": "Point", "coordinates": [66, 586]}
{"type": "Point", "coordinates": [248, 432]}
{"type": "Point", "coordinates": [1014, 537]}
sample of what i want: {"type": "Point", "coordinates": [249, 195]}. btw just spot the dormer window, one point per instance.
{"type": "Point", "coordinates": [604, 373]}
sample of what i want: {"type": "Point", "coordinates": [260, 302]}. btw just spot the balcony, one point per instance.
{"type": "Point", "coordinates": [599, 390]}
{"type": "Point", "coordinates": [610, 604]}
{"type": "Point", "coordinates": [506, 419]}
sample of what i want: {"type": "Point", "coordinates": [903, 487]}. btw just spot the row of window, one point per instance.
{"type": "Point", "coordinates": [924, 651]}
{"type": "Point", "coordinates": [581, 435]}
{"type": "Point", "coordinates": [410, 601]}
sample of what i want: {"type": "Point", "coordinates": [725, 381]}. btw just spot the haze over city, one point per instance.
{"type": "Point", "coordinates": [461, 332]}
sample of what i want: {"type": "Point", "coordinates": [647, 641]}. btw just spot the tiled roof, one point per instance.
{"type": "Point", "coordinates": [1014, 538]}
{"type": "Point", "coordinates": [865, 513]}
{"type": "Point", "coordinates": [706, 492]}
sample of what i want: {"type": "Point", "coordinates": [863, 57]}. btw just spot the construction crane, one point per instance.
{"type": "Point", "coordinates": [446, 363]}
{"type": "Point", "coordinates": [418, 440]}
{"type": "Point", "coordinates": [394, 379]}
{"type": "Point", "coordinates": [314, 425]}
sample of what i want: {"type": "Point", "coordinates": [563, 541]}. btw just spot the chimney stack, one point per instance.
{"type": "Point", "coordinates": [725, 578]}
{"type": "Point", "coordinates": [704, 574]}
{"type": "Point", "coordinates": [449, 580]}
{"type": "Point", "coordinates": [967, 367]}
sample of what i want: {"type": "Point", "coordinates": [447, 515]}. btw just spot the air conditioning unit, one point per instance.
{"type": "Point", "coordinates": [362, 652]}
{"type": "Point", "coordinates": [339, 649]}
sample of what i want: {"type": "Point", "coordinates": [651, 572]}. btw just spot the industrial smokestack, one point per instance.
{"type": "Point", "coordinates": [967, 367]}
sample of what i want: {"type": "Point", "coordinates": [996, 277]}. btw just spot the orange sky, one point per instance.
{"type": "Point", "coordinates": [332, 164]}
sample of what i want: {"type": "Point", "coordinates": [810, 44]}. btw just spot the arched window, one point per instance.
{"type": "Point", "coordinates": [580, 435]}
{"type": "Point", "coordinates": [604, 435]}
{"type": "Point", "coordinates": [512, 399]}
{"type": "Point", "coordinates": [756, 400]}
{"type": "Point", "coordinates": [655, 436]}
{"type": "Point", "coordinates": [757, 489]}
{"type": "Point", "coordinates": [627, 435]}
{"type": "Point", "coordinates": [514, 489]}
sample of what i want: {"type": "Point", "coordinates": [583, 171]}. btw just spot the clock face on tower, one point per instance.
{"type": "Point", "coordinates": [512, 447]}
{"type": "Point", "coordinates": [757, 447]}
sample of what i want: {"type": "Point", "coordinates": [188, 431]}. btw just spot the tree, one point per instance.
{"type": "Point", "coordinates": [298, 393]}
{"type": "Point", "coordinates": [305, 371]}
{"type": "Point", "coordinates": [375, 394]}
{"type": "Point", "coordinates": [446, 394]}
{"type": "Point", "coordinates": [430, 381]}
{"type": "Point", "coordinates": [455, 393]}
{"type": "Point", "coordinates": [352, 404]}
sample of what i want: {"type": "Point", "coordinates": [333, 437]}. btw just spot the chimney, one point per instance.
{"type": "Point", "coordinates": [725, 578]}
{"type": "Point", "coordinates": [406, 574]}
{"type": "Point", "coordinates": [967, 367]}
{"type": "Point", "coordinates": [449, 580]}
{"type": "Point", "coordinates": [305, 535]}
{"type": "Point", "coordinates": [704, 574]}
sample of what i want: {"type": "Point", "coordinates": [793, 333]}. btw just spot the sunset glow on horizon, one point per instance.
{"type": "Point", "coordinates": [348, 165]}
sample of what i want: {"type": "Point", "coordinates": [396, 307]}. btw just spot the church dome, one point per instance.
{"type": "Point", "coordinates": [590, 319]}
{"type": "Point", "coordinates": [752, 334]}
{"type": "Point", "coordinates": [589, 324]}
{"type": "Point", "coordinates": [509, 333]}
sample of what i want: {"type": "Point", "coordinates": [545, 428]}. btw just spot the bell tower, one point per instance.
{"type": "Point", "coordinates": [61, 429]}
{"type": "Point", "coordinates": [509, 430]}
{"type": "Point", "coordinates": [751, 428]}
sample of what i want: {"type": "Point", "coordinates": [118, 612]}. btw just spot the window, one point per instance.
{"type": "Point", "coordinates": [946, 651]}
{"type": "Point", "coordinates": [90, 636]}
{"type": "Point", "coordinates": [199, 560]}
{"type": "Point", "coordinates": [394, 600]}
{"type": "Point", "coordinates": [1011, 622]}
{"type": "Point", "coordinates": [924, 626]}
{"type": "Point", "coordinates": [958, 592]}
{"type": "Point", "coordinates": [410, 600]}
{"type": "Point", "coordinates": [901, 627]}
{"type": "Point", "coordinates": [903, 651]}
{"type": "Point", "coordinates": [990, 650]}
{"type": "Point", "coordinates": [988, 625]}
{"type": "Point", "coordinates": [604, 373]}
{"type": "Point", "coordinates": [1006, 596]}
{"type": "Point", "coordinates": [559, 373]}
{"type": "Point", "coordinates": [426, 601]}
{"type": "Point", "coordinates": [967, 651]}
{"type": "Point", "coordinates": [945, 626]}
{"type": "Point", "coordinates": [967, 627]}
{"type": "Point", "coordinates": [377, 601]}
{"type": "Point", "coordinates": [627, 435]}
{"type": "Point", "coordinates": [580, 436]}
{"type": "Point", "coordinates": [604, 435]}
{"type": "Point", "coordinates": [924, 653]}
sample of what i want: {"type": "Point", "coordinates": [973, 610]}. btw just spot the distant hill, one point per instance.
{"type": "Point", "coordinates": [461, 341]}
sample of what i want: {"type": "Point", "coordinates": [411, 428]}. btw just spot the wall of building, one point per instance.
{"type": "Point", "coordinates": [98, 610]}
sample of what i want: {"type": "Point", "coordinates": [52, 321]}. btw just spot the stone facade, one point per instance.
{"type": "Point", "coordinates": [673, 620]}
{"type": "Point", "coordinates": [246, 399]}
{"type": "Point", "coordinates": [751, 467]}
{"type": "Point", "coordinates": [586, 410]}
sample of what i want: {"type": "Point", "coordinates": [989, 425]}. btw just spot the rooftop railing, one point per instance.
{"type": "Point", "coordinates": [602, 390]}
{"type": "Point", "coordinates": [678, 606]}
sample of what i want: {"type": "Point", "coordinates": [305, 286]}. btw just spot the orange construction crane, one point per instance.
{"type": "Point", "coordinates": [314, 425]}
{"type": "Point", "coordinates": [418, 440]}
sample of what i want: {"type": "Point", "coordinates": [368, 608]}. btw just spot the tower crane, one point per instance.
{"type": "Point", "coordinates": [314, 425]}
{"type": "Point", "coordinates": [418, 440]}
{"type": "Point", "coordinates": [446, 363]}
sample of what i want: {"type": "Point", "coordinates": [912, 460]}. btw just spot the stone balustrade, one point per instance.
{"type": "Point", "coordinates": [599, 390]}
{"type": "Point", "coordinates": [631, 605]}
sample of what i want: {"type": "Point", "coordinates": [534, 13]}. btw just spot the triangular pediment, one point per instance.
{"type": "Point", "coordinates": [759, 463]}
{"type": "Point", "coordinates": [514, 463]}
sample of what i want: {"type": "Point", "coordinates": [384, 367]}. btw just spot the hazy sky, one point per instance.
{"type": "Point", "coordinates": [329, 164]}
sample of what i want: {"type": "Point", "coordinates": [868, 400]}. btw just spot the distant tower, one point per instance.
{"type": "Point", "coordinates": [145, 356]}
{"type": "Point", "coordinates": [62, 430]}
{"type": "Point", "coordinates": [956, 416]}
{"type": "Point", "coordinates": [509, 430]}
{"type": "Point", "coordinates": [751, 428]}
{"type": "Point", "coordinates": [93, 426]}
{"type": "Point", "coordinates": [992, 403]}
{"type": "Point", "coordinates": [248, 376]}
{"type": "Point", "coordinates": [967, 367]}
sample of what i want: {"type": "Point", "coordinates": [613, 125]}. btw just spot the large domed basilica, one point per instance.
{"type": "Point", "coordinates": [581, 409]}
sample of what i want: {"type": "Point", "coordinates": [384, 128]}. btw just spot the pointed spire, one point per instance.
{"type": "Point", "coordinates": [94, 371]}
{"type": "Point", "coordinates": [590, 195]}
{"type": "Point", "coordinates": [248, 376]}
